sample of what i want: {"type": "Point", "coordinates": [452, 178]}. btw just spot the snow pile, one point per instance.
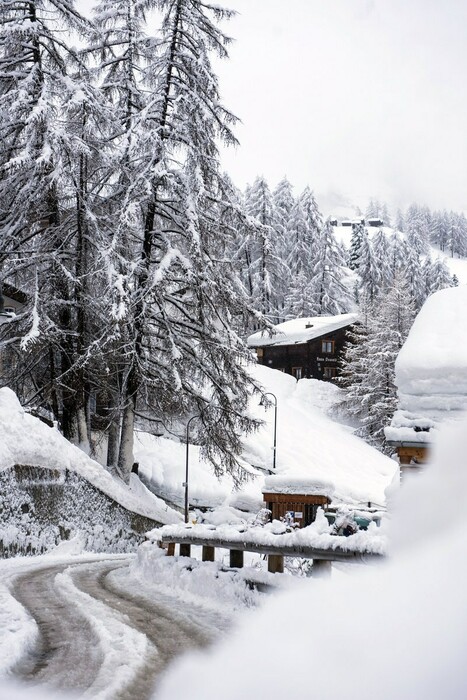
{"type": "Point", "coordinates": [301, 330]}
{"type": "Point", "coordinates": [396, 630]}
{"type": "Point", "coordinates": [431, 369]}
{"type": "Point", "coordinates": [25, 440]}
{"type": "Point", "coordinates": [162, 464]}
{"type": "Point", "coordinates": [192, 580]}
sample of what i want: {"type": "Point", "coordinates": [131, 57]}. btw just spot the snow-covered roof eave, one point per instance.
{"type": "Point", "coordinates": [296, 332]}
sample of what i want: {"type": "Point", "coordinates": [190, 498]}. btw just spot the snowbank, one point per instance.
{"type": "Point", "coordinates": [431, 369]}
{"type": "Point", "coordinates": [25, 440]}
{"type": "Point", "coordinates": [396, 630]}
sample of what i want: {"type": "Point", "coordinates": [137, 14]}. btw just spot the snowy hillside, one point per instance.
{"type": "Point", "coordinates": [309, 445]}
{"type": "Point", "coordinates": [457, 266]}
{"type": "Point", "coordinates": [25, 440]}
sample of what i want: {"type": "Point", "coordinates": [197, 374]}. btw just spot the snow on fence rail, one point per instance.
{"type": "Point", "coordinates": [309, 543]}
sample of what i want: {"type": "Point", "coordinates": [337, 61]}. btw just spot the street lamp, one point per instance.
{"type": "Point", "coordinates": [269, 393]}
{"type": "Point", "coordinates": [187, 452]}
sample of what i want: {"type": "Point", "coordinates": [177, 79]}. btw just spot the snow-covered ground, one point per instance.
{"type": "Point", "coordinates": [310, 445]}
{"type": "Point", "coordinates": [25, 440]}
{"type": "Point", "coordinates": [397, 630]}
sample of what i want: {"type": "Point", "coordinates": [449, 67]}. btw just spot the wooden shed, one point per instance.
{"type": "Point", "coordinates": [296, 499]}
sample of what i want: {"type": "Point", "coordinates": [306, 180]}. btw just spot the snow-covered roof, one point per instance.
{"type": "Point", "coordinates": [431, 368]}
{"type": "Point", "coordinates": [301, 330]}
{"type": "Point", "coordinates": [298, 485]}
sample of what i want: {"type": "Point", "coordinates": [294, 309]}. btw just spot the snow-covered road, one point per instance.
{"type": "Point", "coordinates": [99, 633]}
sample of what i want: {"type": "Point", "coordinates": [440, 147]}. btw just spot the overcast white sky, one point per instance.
{"type": "Point", "coordinates": [357, 98]}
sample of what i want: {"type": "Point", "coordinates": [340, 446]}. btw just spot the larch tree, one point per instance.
{"type": "Point", "coordinates": [176, 292]}
{"type": "Point", "coordinates": [47, 154]}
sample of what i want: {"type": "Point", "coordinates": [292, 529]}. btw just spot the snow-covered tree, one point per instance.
{"type": "Point", "coordinates": [176, 292]}
{"type": "Point", "coordinates": [328, 294]}
{"type": "Point", "coordinates": [49, 133]}
{"type": "Point", "coordinates": [369, 363]}
{"type": "Point", "coordinates": [358, 232]}
{"type": "Point", "coordinates": [368, 270]}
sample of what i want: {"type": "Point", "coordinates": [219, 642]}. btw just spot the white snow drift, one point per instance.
{"type": "Point", "coordinates": [431, 369]}
{"type": "Point", "coordinates": [25, 440]}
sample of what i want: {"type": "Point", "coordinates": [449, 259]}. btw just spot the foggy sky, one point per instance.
{"type": "Point", "coordinates": [357, 98]}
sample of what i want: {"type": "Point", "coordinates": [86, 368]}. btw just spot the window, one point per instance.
{"type": "Point", "coordinates": [329, 372]}
{"type": "Point", "coordinates": [327, 346]}
{"type": "Point", "coordinates": [9, 310]}
{"type": "Point", "coordinates": [297, 372]}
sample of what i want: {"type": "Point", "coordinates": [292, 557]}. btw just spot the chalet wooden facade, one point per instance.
{"type": "Point", "coordinates": [300, 508]}
{"type": "Point", "coordinates": [305, 348]}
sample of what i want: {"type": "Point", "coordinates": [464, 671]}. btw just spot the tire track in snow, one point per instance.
{"type": "Point", "coordinates": [171, 631]}
{"type": "Point", "coordinates": [102, 640]}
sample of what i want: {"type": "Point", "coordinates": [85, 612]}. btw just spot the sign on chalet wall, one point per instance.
{"type": "Point", "coordinates": [304, 347]}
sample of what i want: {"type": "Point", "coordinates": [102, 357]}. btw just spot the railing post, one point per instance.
{"type": "Point", "coordinates": [321, 568]}
{"type": "Point", "coordinates": [236, 559]}
{"type": "Point", "coordinates": [208, 553]}
{"type": "Point", "coordinates": [275, 564]}
{"type": "Point", "coordinates": [185, 550]}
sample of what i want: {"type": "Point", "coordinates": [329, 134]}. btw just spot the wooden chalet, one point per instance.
{"type": "Point", "coordinates": [305, 347]}
{"type": "Point", "coordinates": [295, 500]}
{"type": "Point", "coordinates": [12, 300]}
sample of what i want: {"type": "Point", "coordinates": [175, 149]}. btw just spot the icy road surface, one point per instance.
{"type": "Point", "coordinates": [99, 634]}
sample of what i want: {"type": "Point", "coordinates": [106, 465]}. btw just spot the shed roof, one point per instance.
{"type": "Point", "coordinates": [294, 485]}
{"type": "Point", "coordinates": [301, 330]}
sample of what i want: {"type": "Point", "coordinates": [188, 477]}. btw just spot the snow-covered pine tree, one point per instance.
{"type": "Point", "coordinates": [382, 257]}
{"type": "Point", "coordinates": [283, 201]}
{"type": "Point", "coordinates": [177, 292]}
{"type": "Point", "coordinates": [384, 215]}
{"type": "Point", "coordinates": [48, 113]}
{"type": "Point", "coordinates": [268, 266]}
{"type": "Point", "coordinates": [399, 224]}
{"type": "Point", "coordinates": [417, 228]}
{"type": "Point", "coordinates": [439, 276]}
{"type": "Point", "coordinates": [358, 232]}
{"type": "Point", "coordinates": [328, 294]}
{"type": "Point", "coordinates": [374, 387]}
{"type": "Point", "coordinates": [439, 233]}
{"type": "Point", "coordinates": [370, 277]}
{"type": "Point", "coordinates": [413, 275]}
{"type": "Point", "coordinates": [457, 235]}
{"type": "Point", "coordinates": [396, 254]}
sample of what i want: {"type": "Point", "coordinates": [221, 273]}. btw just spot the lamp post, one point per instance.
{"type": "Point", "coordinates": [187, 453]}
{"type": "Point", "coordinates": [274, 449]}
